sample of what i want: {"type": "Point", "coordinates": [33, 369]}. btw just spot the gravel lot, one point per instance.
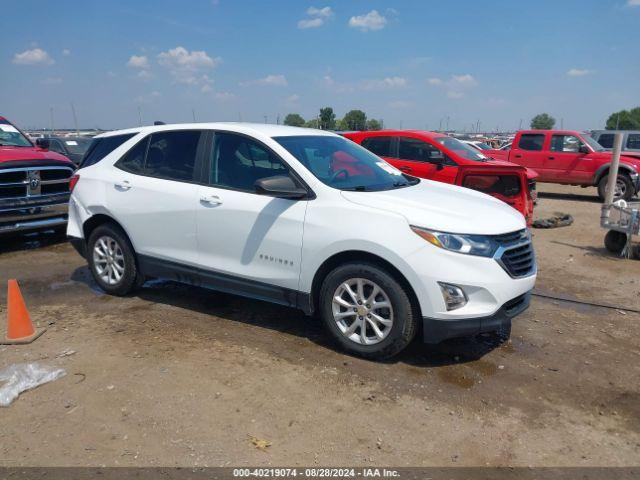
{"type": "Point", "coordinates": [177, 375]}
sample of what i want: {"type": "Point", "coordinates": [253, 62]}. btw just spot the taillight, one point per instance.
{"type": "Point", "coordinates": [73, 181]}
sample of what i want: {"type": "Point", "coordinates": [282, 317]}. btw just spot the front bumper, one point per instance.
{"type": "Point", "coordinates": [635, 179]}
{"type": "Point", "coordinates": [437, 330]}
{"type": "Point", "coordinates": [22, 215]}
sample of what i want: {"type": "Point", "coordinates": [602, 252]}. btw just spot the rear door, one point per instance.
{"type": "Point", "coordinates": [529, 151]}
{"type": "Point", "coordinates": [154, 192]}
{"type": "Point", "coordinates": [248, 243]}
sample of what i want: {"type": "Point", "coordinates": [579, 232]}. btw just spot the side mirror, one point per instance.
{"type": "Point", "coordinates": [584, 149]}
{"type": "Point", "coordinates": [280, 186]}
{"type": "Point", "coordinates": [438, 162]}
{"type": "Point", "coordinates": [43, 143]}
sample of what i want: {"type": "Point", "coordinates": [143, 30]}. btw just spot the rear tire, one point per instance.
{"type": "Point", "coordinates": [357, 294]}
{"type": "Point", "coordinates": [623, 183]}
{"type": "Point", "coordinates": [615, 241]}
{"type": "Point", "coordinates": [112, 260]}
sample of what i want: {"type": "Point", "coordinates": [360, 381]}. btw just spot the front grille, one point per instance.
{"type": "Point", "coordinates": [516, 254]}
{"type": "Point", "coordinates": [34, 182]}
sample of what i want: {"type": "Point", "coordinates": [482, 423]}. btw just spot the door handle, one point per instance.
{"type": "Point", "coordinates": [211, 199]}
{"type": "Point", "coordinates": [123, 185]}
{"type": "Point", "coordinates": [518, 156]}
{"type": "Point", "coordinates": [551, 158]}
{"type": "Point", "coordinates": [406, 169]}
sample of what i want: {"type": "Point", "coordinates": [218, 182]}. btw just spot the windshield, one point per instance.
{"type": "Point", "coordinates": [593, 144]}
{"type": "Point", "coordinates": [77, 145]}
{"type": "Point", "coordinates": [11, 136]}
{"type": "Point", "coordinates": [342, 164]}
{"type": "Point", "coordinates": [461, 149]}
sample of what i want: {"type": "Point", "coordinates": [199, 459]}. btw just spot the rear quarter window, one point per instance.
{"type": "Point", "coordinates": [101, 147]}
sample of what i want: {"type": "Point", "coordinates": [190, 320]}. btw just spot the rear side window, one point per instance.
{"type": "Point", "coordinates": [633, 141]}
{"type": "Point", "coordinates": [606, 140]}
{"type": "Point", "coordinates": [172, 155]}
{"type": "Point", "coordinates": [531, 141]}
{"type": "Point", "coordinates": [381, 146]}
{"type": "Point", "coordinates": [101, 147]}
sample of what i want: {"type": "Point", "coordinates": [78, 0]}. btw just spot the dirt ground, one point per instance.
{"type": "Point", "coordinates": [182, 376]}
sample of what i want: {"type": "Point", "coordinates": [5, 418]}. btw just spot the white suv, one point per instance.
{"type": "Point", "coordinates": [303, 218]}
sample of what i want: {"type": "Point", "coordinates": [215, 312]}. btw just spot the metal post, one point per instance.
{"type": "Point", "coordinates": [75, 119]}
{"type": "Point", "coordinates": [613, 169]}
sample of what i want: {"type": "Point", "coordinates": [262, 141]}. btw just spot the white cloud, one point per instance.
{"type": "Point", "coordinates": [206, 88]}
{"type": "Point", "coordinates": [581, 72]}
{"type": "Point", "coordinates": [292, 100]}
{"type": "Point", "coordinates": [144, 75]}
{"type": "Point", "coordinates": [66, 52]}
{"type": "Point", "coordinates": [224, 96]}
{"type": "Point", "coordinates": [465, 80]}
{"type": "Point", "coordinates": [138, 61]}
{"type": "Point", "coordinates": [456, 85]}
{"type": "Point", "coordinates": [188, 67]}
{"type": "Point", "coordinates": [317, 17]}
{"type": "Point", "coordinates": [389, 82]}
{"type": "Point", "coordinates": [150, 97]}
{"type": "Point", "coordinates": [633, 3]}
{"type": "Point", "coordinates": [370, 21]}
{"type": "Point", "coordinates": [269, 81]}
{"type": "Point", "coordinates": [35, 56]}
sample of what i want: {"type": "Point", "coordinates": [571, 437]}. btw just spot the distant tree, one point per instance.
{"type": "Point", "coordinates": [294, 120]}
{"type": "Point", "coordinates": [373, 124]}
{"type": "Point", "coordinates": [543, 121]}
{"type": "Point", "coordinates": [624, 120]}
{"type": "Point", "coordinates": [327, 119]}
{"type": "Point", "coordinates": [340, 125]}
{"type": "Point", "coordinates": [355, 120]}
{"type": "Point", "coordinates": [313, 123]}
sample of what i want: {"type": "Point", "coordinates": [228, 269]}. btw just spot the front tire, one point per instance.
{"type": "Point", "coordinates": [624, 187]}
{"type": "Point", "coordinates": [112, 260]}
{"type": "Point", "coordinates": [367, 310]}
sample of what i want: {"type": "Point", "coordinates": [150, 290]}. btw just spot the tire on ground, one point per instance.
{"type": "Point", "coordinates": [615, 241]}
{"type": "Point", "coordinates": [629, 189]}
{"type": "Point", "coordinates": [132, 278]}
{"type": "Point", "coordinates": [405, 318]}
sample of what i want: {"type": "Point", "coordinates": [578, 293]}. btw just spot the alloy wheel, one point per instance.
{"type": "Point", "coordinates": [108, 260]}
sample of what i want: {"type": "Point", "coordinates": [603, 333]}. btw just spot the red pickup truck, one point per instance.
{"type": "Point", "coordinates": [572, 158]}
{"type": "Point", "coordinates": [438, 157]}
{"type": "Point", "coordinates": [34, 184]}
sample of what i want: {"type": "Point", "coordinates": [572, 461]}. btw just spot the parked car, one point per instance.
{"type": "Point", "coordinates": [630, 140]}
{"type": "Point", "coordinates": [572, 158]}
{"type": "Point", "coordinates": [439, 157]}
{"type": "Point", "coordinates": [303, 218]}
{"type": "Point", "coordinates": [34, 183]}
{"type": "Point", "coordinates": [477, 145]}
{"type": "Point", "coordinates": [73, 148]}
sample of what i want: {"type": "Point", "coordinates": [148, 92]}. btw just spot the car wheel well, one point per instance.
{"type": "Point", "coordinates": [605, 171]}
{"type": "Point", "coordinates": [356, 256]}
{"type": "Point", "coordinates": [95, 221]}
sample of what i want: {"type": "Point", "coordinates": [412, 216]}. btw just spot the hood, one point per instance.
{"type": "Point", "coordinates": [8, 153]}
{"type": "Point", "coordinates": [444, 207]}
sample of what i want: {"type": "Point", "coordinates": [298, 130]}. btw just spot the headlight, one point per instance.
{"type": "Point", "coordinates": [479, 245]}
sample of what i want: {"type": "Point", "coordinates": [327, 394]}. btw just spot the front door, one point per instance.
{"type": "Point", "coordinates": [248, 243]}
{"type": "Point", "coordinates": [421, 159]}
{"type": "Point", "coordinates": [565, 160]}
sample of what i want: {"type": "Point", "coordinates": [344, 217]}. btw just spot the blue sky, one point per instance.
{"type": "Point", "coordinates": [412, 63]}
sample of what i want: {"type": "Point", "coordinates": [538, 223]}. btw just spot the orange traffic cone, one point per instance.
{"type": "Point", "coordinates": [19, 327]}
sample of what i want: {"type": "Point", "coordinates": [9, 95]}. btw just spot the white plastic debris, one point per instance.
{"type": "Point", "coordinates": [25, 376]}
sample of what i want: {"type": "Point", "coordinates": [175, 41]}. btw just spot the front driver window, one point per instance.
{"type": "Point", "coordinates": [418, 150]}
{"type": "Point", "coordinates": [238, 162]}
{"type": "Point", "coordinates": [565, 143]}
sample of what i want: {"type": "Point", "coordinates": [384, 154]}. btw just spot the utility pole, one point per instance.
{"type": "Point", "coordinates": [193, 113]}
{"type": "Point", "coordinates": [51, 118]}
{"type": "Point", "coordinates": [478, 126]}
{"type": "Point", "coordinates": [447, 123]}
{"type": "Point", "coordinates": [265, 119]}
{"type": "Point", "coordinates": [139, 116]}
{"type": "Point", "coordinates": [440, 127]}
{"type": "Point", "coordinates": [520, 126]}
{"type": "Point", "coordinates": [278, 119]}
{"type": "Point", "coordinates": [75, 119]}
{"type": "Point", "coordinates": [562, 124]}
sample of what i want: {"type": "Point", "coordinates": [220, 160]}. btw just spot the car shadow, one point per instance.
{"type": "Point", "coordinates": [569, 196]}
{"type": "Point", "coordinates": [30, 241]}
{"type": "Point", "coordinates": [597, 251]}
{"type": "Point", "coordinates": [294, 322]}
